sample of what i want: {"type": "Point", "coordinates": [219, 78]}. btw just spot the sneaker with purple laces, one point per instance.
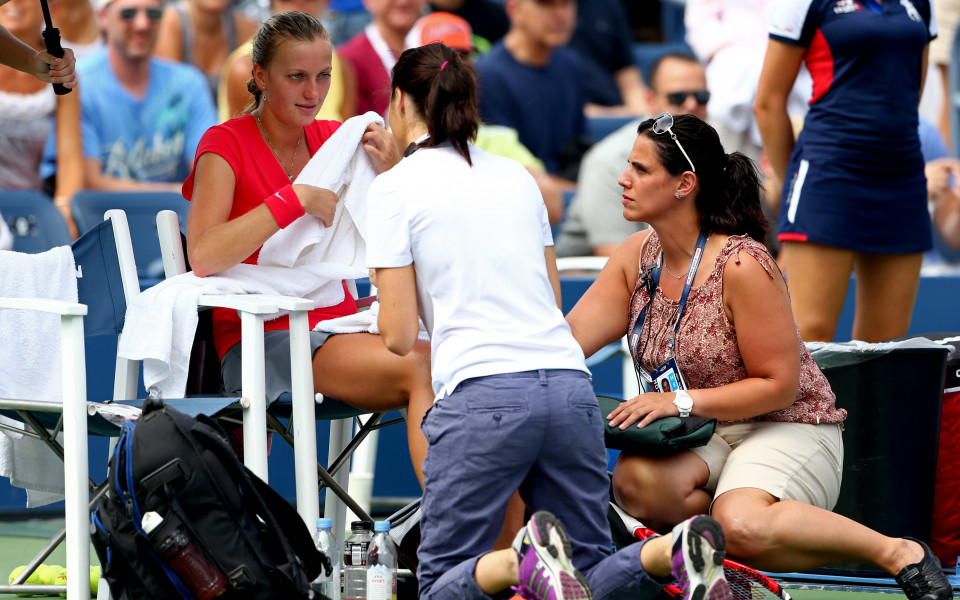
{"type": "Point", "coordinates": [698, 552]}
{"type": "Point", "coordinates": [546, 571]}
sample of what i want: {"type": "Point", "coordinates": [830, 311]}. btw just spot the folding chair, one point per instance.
{"type": "Point", "coordinates": [35, 223]}
{"type": "Point", "coordinates": [302, 406]}
{"type": "Point", "coordinates": [106, 282]}
{"type": "Point", "coordinates": [100, 256]}
{"type": "Point", "coordinates": [141, 209]}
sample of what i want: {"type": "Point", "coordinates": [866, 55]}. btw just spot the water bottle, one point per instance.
{"type": "Point", "coordinates": [381, 564]}
{"type": "Point", "coordinates": [355, 561]}
{"type": "Point", "coordinates": [171, 541]}
{"type": "Point", "coordinates": [327, 583]}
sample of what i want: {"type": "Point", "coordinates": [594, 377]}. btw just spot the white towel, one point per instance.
{"type": "Point", "coordinates": [30, 363]}
{"type": "Point", "coordinates": [362, 322]}
{"type": "Point", "coordinates": [303, 260]}
{"type": "Point", "coordinates": [342, 166]}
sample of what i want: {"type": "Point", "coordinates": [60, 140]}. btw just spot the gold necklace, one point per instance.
{"type": "Point", "coordinates": [269, 143]}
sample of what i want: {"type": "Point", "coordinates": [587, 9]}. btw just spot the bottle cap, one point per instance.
{"type": "Point", "coordinates": [381, 526]}
{"type": "Point", "coordinates": [360, 526]}
{"type": "Point", "coordinates": [323, 523]}
{"type": "Point", "coordinates": [151, 521]}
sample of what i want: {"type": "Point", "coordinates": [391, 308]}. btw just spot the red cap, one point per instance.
{"type": "Point", "coordinates": [448, 28]}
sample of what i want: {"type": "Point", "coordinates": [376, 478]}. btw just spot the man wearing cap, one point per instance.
{"type": "Point", "coordinates": [595, 223]}
{"type": "Point", "coordinates": [455, 32]}
{"type": "Point", "coordinates": [141, 117]}
{"type": "Point", "coordinates": [531, 82]}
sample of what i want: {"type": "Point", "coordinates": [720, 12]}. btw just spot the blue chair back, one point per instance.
{"type": "Point", "coordinates": [141, 209]}
{"type": "Point", "coordinates": [34, 221]}
{"type": "Point", "coordinates": [99, 284]}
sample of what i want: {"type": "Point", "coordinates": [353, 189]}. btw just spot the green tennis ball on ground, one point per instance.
{"type": "Point", "coordinates": [94, 581]}
{"type": "Point", "coordinates": [46, 573]}
{"type": "Point", "coordinates": [60, 578]}
{"type": "Point", "coordinates": [32, 580]}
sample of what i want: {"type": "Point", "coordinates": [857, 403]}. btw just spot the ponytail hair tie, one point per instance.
{"type": "Point", "coordinates": [444, 64]}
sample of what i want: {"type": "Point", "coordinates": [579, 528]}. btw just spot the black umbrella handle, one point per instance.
{"type": "Point", "coordinates": [51, 39]}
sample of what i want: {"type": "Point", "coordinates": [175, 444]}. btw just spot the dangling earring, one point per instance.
{"type": "Point", "coordinates": [678, 195]}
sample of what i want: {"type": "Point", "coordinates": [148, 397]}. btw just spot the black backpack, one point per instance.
{"type": "Point", "coordinates": [184, 470]}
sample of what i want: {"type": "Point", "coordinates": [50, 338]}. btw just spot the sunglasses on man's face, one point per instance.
{"type": "Point", "coordinates": [678, 98]}
{"type": "Point", "coordinates": [129, 14]}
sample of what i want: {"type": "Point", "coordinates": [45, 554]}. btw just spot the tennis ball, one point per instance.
{"type": "Point", "coordinates": [46, 573]}
{"type": "Point", "coordinates": [94, 581]}
{"type": "Point", "coordinates": [60, 578]}
{"type": "Point", "coordinates": [33, 579]}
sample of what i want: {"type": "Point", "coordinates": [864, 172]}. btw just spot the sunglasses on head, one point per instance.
{"type": "Point", "coordinates": [678, 98]}
{"type": "Point", "coordinates": [129, 14]}
{"type": "Point", "coordinates": [663, 123]}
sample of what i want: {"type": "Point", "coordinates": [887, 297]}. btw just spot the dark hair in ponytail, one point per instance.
{"type": "Point", "coordinates": [291, 26]}
{"type": "Point", "coordinates": [730, 193]}
{"type": "Point", "coordinates": [443, 89]}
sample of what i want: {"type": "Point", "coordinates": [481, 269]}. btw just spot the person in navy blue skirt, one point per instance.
{"type": "Point", "coordinates": [854, 195]}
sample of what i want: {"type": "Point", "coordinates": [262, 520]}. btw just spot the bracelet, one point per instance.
{"type": "Point", "coordinates": [62, 202]}
{"type": "Point", "coordinates": [284, 206]}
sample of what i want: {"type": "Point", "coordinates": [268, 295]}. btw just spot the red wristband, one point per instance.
{"type": "Point", "coordinates": [284, 206]}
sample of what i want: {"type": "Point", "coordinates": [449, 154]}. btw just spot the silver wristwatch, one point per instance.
{"type": "Point", "coordinates": [683, 402]}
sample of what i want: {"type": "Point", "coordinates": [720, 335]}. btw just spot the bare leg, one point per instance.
{"type": "Point", "coordinates": [497, 571]}
{"type": "Point", "coordinates": [357, 368]}
{"type": "Point", "coordinates": [817, 279]}
{"type": "Point", "coordinates": [791, 536]}
{"type": "Point", "coordinates": [886, 292]}
{"type": "Point", "coordinates": [512, 522]}
{"type": "Point", "coordinates": [661, 492]}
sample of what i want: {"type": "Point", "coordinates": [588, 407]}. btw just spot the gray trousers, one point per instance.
{"type": "Point", "coordinates": [537, 431]}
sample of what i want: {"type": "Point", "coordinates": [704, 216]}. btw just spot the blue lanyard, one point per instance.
{"type": "Point", "coordinates": [652, 279]}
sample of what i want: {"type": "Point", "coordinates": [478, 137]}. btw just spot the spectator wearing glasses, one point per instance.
{"type": "Point", "coordinates": [771, 473]}
{"type": "Point", "coordinates": [595, 223]}
{"type": "Point", "coordinates": [141, 117]}
{"type": "Point", "coordinates": [854, 194]}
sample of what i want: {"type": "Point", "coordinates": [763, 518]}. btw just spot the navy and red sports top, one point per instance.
{"type": "Point", "coordinates": [866, 59]}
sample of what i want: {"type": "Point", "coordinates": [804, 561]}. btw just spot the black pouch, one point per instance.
{"type": "Point", "coordinates": [664, 436]}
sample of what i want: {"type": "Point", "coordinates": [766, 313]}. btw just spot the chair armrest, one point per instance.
{"type": "Point", "coordinates": [258, 304]}
{"type": "Point", "coordinates": [58, 307]}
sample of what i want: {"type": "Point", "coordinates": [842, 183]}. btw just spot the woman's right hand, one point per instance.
{"type": "Point", "coordinates": [317, 201]}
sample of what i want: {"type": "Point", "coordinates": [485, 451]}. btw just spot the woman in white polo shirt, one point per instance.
{"type": "Point", "coordinates": [461, 238]}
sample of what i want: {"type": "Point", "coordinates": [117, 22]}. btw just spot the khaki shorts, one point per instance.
{"type": "Point", "coordinates": [792, 461]}
{"type": "Point", "coordinates": [947, 13]}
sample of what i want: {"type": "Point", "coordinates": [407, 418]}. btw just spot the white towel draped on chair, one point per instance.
{"type": "Point", "coordinates": [30, 363]}
{"type": "Point", "coordinates": [304, 260]}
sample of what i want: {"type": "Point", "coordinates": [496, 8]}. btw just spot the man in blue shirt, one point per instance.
{"type": "Point", "coordinates": [529, 81]}
{"type": "Point", "coordinates": [141, 117]}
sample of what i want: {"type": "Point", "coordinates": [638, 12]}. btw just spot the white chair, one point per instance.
{"type": "Point", "coordinates": [305, 405]}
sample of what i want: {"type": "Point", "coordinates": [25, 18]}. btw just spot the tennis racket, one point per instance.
{"type": "Point", "coordinates": [745, 582]}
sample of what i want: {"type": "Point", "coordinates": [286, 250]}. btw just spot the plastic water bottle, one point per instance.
{"type": "Point", "coordinates": [173, 544]}
{"type": "Point", "coordinates": [381, 564]}
{"type": "Point", "coordinates": [326, 583]}
{"type": "Point", "coordinates": [355, 561]}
